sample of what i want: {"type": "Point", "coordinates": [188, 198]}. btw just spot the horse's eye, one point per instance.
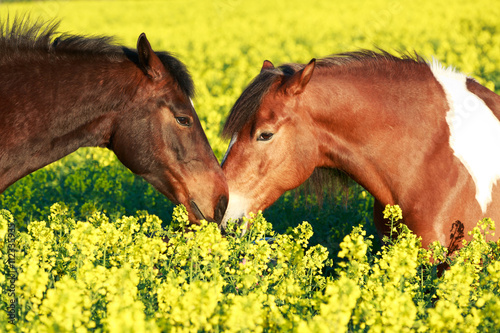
{"type": "Point", "coordinates": [183, 121]}
{"type": "Point", "coordinates": [265, 136]}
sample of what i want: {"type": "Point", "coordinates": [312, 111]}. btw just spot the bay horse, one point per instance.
{"type": "Point", "coordinates": [411, 132]}
{"type": "Point", "coordinates": [59, 92]}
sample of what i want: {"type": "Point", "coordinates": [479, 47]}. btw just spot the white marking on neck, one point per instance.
{"type": "Point", "coordinates": [231, 143]}
{"type": "Point", "coordinates": [474, 132]}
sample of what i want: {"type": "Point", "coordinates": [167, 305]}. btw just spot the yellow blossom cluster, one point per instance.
{"type": "Point", "coordinates": [103, 258]}
{"type": "Point", "coordinates": [131, 275]}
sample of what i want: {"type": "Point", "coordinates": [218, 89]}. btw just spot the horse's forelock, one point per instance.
{"type": "Point", "coordinates": [249, 102]}
{"type": "Point", "coordinates": [179, 72]}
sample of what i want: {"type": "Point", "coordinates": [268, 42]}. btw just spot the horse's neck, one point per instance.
{"type": "Point", "coordinates": [391, 140]}
{"type": "Point", "coordinates": [61, 112]}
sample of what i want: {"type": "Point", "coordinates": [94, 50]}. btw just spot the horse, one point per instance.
{"type": "Point", "coordinates": [411, 132]}
{"type": "Point", "coordinates": [59, 92]}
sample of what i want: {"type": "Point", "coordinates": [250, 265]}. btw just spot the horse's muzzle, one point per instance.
{"type": "Point", "coordinates": [219, 210]}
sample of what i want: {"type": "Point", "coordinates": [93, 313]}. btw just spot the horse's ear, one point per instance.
{"type": "Point", "coordinates": [266, 65]}
{"type": "Point", "coordinates": [298, 82]}
{"type": "Point", "coordinates": [149, 62]}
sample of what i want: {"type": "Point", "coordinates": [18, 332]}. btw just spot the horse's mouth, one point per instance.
{"type": "Point", "coordinates": [197, 212]}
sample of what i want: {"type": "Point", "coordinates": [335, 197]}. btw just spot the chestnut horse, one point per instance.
{"type": "Point", "coordinates": [62, 92]}
{"type": "Point", "coordinates": [410, 132]}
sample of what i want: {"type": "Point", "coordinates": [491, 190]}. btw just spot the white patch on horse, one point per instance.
{"type": "Point", "coordinates": [231, 143]}
{"type": "Point", "coordinates": [191, 102]}
{"type": "Point", "coordinates": [474, 132]}
{"type": "Point", "coordinates": [236, 208]}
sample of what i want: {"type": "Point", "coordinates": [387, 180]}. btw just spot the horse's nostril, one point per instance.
{"type": "Point", "coordinates": [197, 212]}
{"type": "Point", "coordinates": [220, 209]}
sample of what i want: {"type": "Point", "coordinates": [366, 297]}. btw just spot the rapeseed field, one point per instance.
{"type": "Point", "coordinates": [82, 240]}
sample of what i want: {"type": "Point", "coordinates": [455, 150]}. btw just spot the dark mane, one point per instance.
{"type": "Point", "coordinates": [30, 41]}
{"type": "Point", "coordinates": [368, 58]}
{"type": "Point", "coordinates": [249, 102]}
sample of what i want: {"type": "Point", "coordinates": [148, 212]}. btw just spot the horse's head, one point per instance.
{"type": "Point", "coordinates": [273, 148]}
{"type": "Point", "coordinates": [161, 138]}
